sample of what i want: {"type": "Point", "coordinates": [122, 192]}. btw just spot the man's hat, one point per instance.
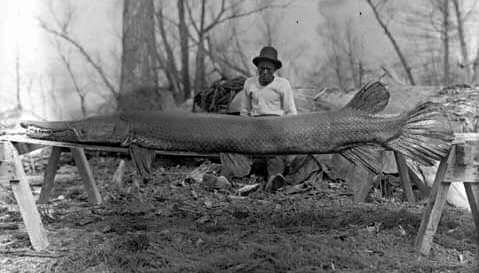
{"type": "Point", "coordinates": [268, 53]}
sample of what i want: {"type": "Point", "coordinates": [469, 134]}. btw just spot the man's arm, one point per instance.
{"type": "Point", "coordinates": [288, 99]}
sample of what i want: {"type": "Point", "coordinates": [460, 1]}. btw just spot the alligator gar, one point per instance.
{"type": "Point", "coordinates": [421, 134]}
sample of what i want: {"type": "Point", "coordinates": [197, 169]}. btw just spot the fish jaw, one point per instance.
{"type": "Point", "coordinates": [102, 129]}
{"type": "Point", "coordinates": [56, 130]}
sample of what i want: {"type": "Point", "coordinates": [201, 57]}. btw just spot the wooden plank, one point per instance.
{"type": "Point", "coordinates": [433, 210]}
{"type": "Point", "coordinates": [87, 176]}
{"type": "Point", "coordinates": [117, 149]}
{"type": "Point", "coordinates": [419, 183]}
{"type": "Point", "coordinates": [472, 192]}
{"type": "Point", "coordinates": [21, 190]}
{"type": "Point", "coordinates": [119, 172]}
{"type": "Point", "coordinates": [366, 183]}
{"type": "Point", "coordinates": [50, 172]}
{"type": "Point", "coordinates": [461, 154]}
{"type": "Point", "coordinates": [404, 176]}
{"type": "Point", "coordinates": [463, 137]}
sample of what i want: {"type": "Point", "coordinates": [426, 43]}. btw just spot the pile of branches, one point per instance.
{"type": "Point", "coordinates": [462, 108]}
{"type": "Point", "coordinates": [219, 95]}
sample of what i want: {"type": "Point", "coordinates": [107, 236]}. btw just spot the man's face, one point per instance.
{"type": "Point", "coordinates": [266, 72]}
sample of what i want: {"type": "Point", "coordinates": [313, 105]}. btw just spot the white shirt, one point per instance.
{"type": "Point", "coordinates": [276, 98]}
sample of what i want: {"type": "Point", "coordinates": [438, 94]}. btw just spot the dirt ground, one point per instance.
{"type": "Point", "coordinates": [170, 224]}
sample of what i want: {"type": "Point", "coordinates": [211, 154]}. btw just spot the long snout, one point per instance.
{"type": "Point", "coordinates": [51, 125]}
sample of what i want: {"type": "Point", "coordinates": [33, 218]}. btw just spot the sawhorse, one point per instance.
{"type": "Point", "coordinates": [460, 166]}
{"type": "Point", "coordinates": [13, 175]}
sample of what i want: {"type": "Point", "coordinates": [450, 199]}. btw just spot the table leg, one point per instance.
{"type": "Point", "coordinates": [50, 172]}
{"type": "Point", "coordinates": [87, 176]}
{"type": "Point", "coordinates": [11, 167]}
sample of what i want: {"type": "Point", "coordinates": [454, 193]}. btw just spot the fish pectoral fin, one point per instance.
{"type": "Point", "coordinates": [368, 157]}
{"type": "Point", "coordinates": [372, 98]}
{"type": "Point", "coordinates": [142, 157]}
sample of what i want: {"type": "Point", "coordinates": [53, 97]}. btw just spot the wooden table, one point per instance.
{"type": "Point", "coordinates": [460, 166]}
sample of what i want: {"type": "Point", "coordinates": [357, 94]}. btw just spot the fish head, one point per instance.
{"type": "Point", "coordinates": [91, 130]}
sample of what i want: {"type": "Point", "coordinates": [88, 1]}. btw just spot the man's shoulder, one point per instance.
{"type": "Point", "coordinates": [282, 81]}
{"type": "Point", "coordinates": [251, 80]}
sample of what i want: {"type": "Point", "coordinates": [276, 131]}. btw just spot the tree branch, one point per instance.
{"type": "Point", "coordinates": [393, 41]}
{"type": "Point", "coordinates": [84, 53]}
{"type": "Point", "coordinates": [220, 20]}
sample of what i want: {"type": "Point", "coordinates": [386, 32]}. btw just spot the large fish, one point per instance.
{"type": "Point", "coordinates": [421, 134]}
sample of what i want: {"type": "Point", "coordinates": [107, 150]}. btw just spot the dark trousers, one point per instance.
{"type": "Point", "coordinates": [295, 168]}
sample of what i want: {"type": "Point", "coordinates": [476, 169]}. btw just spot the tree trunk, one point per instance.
{"type": "Point", "coordinates": [185, 54]}
{"type": "Point", "coordinates": [17, 76]}
{"type": "Point", "coordinates": [445, 39]}
{"type": "Point", "coordinates": [475, 69]}
{"type": "Point", "coordinates": [391, 38]}
{"type": "Point", "coordinates": [171, 70]}
{"type": "Point", "coordinates": [339, 72]}
{"type": "Point", "coordinates": [139, 80]}
{"type": "Point", "coordinates": [462, 41]}
{"type": "Point", "coordinates": [200, 73]}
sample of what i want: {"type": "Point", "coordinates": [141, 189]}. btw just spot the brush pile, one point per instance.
{"type": "Point", "coordinates": [218, 96]}
{"type": "Point", "coordinates": [462, 105]}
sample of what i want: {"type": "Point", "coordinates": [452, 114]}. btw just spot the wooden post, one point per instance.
{"type": "Point", "coordinates": [404, 176]}
{"type": "Point", "coordinates": [434, 207]}
{"type": "Point", "coordinates": [11, 170]}
{"type": "Point", "coordinates": [50, 172]}
{"type": "Point", "coordinates": [87, 177]}
{"type": "Point", "coordinates": [419, 183]}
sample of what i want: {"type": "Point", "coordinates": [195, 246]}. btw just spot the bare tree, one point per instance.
{"type": "Point", "coordinates": [344, 49]}
{"type": "Point", "coordinates": [269, 26]}
{"type": "Point", "coordinates": [353, 49]}
{"type": "Point", "coordinates": [139, 80]}
{"type": "Point", "coordinates": [17, 77]}
{"type": "Point", "coordinates": [78, 90]}
{"type": "Point", "coordinates": [225, 12]}
{"type": "Point", "coordinates": [61, 30]}
{"type": "Point", "coordinates": [227, 52]}
{"type": "Point", "coordinates": [445, 40]}
{"type": "Point", "coordinates": [169, 63]}
{"type": "Point", "coordinates": [185, 54]}
{"type": "Point", "coordinates": [462, 40]}
{"type": "Point", "coordinates": [392, 39]}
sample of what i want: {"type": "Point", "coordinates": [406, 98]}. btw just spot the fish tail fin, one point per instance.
{"type": "Point", "coordinates": [425, 135]}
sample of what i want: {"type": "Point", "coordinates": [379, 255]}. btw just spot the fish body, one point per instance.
{"type": "Point", "coordinates": [420, 134]}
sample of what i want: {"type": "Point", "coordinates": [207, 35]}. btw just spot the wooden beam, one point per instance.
{"type": "Point", "coordinates": [86, 146]}
{"type": "Point", "coordinates": [87, 176]}
{"type": "Point", "coordinates": [404, 176]}
{"type": "Point", "coordinates": [50, 172]}
{"type": "Point", "coordinates": [472, 192]}
{"type": "Point", "coordinates": [11, 168]}
{"type": "Point", "coordinates": [419, 183]}
{"type": "Point", "coordinates": [434, 206]}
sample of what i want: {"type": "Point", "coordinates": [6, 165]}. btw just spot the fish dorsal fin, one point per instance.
{"type": "Point", "coordinates": [372, 98]}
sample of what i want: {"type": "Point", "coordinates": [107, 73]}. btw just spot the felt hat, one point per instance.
{"type": "Point", "coordinates": [268, 53]}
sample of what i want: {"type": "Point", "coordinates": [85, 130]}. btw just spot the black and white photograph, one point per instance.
{"type": "Point", "coordinates": [239, 136]}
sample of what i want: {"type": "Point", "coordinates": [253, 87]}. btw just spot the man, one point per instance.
{"type": "Point", "coordinates": [266, 95]}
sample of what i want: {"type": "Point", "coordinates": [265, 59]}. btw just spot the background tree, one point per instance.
{"type": "Point", "coordinates": [139, 60]}
{"type": "Point", "coordinates": [185, 54]}
{"type": "Point", "coordinates": [406, 66]}
{"type": "Point", "coordinates": [60, 30]}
